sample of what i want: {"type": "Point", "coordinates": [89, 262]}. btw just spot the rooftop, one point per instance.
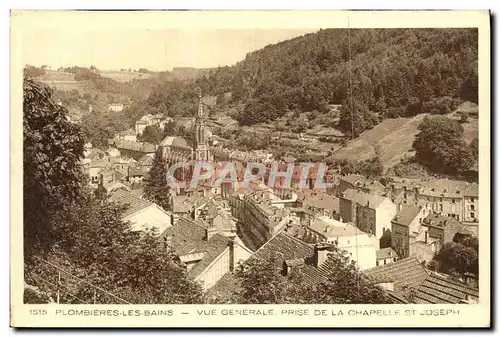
{"type": "Point", "coordinates": [406, 274]}
{"type": "Point", "coordinates": [135, 204]}
{"type": "Point", "coordinates": [175, 142]}
{"type": "Point", "coordinates": [406, 215]}
{"type": "Point", "coordinates": [187, 237]}
{"type": "Point", "coordinates": [440, 289]}
{"type": "Point", "coordinates": [363, 199]}
{"type": "Point", "coordinates": [386, 253]}
{"type": "Point", "coordinates": [329, 227]}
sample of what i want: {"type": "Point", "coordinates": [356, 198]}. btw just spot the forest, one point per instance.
{"type": "Point", "coordinates": [392, 73]}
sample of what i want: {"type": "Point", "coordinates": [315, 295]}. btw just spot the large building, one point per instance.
{"type": "Point", "coordinates": [372, 213]}
{"type": "Point", "coordinates": [452, 198]}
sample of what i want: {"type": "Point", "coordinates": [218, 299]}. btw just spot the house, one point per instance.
{"type": "Point", "coordinates": [360, 246]}
{"type": "Point", "coordinates": [142, 214]}
{"type": "Point", "coordinates": [130, 149]}
{"type": "Point", "coordinates": [405, 227]}
{"type": "Point", "coordinates": [135, 175]}
{"type": "Point", "coordinates": [207, 254]}
{"type": "Point", "coordinates": [443, 228]}
{"type": "Point", "coordinates": [145, 162]}
{"type": "Point", "coordinates": [385, 256]}
{"type": "Point", "coordinates": [359, 183]}
{"type": "Point", "coordinates": [321, 204]}
{"type": "Point", "coordinates": [128, 135]}
{"type": "Point", "coordinates": [372, 213]}
{"type": "Point", "coordinates": [115, 107]}
{"type": "Point", "coordinates": [453, 198]}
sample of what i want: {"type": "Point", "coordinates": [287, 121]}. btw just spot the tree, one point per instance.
{"type": "Point", "coordinates": [152, 134]}
{"type": "Point", "coordinates": [458, 258]}
{"type": "Point", "coordinates": [441, 147]}
{"type": "Point", "coordinates": [52, 148]}
{"type": "Point", "coordinates": [261, 281]}
{"type": "Point", "coordinates": [135, 266]}
{"type": "Point", "coordinates": [474, 148]}
{"type": "Point", "coordinates": [157, 189]}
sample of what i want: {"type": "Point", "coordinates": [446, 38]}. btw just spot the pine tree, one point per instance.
{"type": "Point", "coordinates": [157, 189]}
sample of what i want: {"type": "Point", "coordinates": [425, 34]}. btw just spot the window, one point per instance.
{"type": "Point", "coordinates": [452, 201]}
{"type": "Point", "coordinates": [377, 263]}
{"type": "Point", "coordinates": [472, 207]}
{"type": "Point", "coordinates": [385, 262]}
{"type": "Point", "coordinates": [472, 200]}
{"type": "Point", "coordinates": [440, 207]}
{"type": "Point", "coordinates": [472, 215]}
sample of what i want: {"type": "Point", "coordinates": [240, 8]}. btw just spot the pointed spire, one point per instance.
{"type": "Point", "coordinates": [200, 105]}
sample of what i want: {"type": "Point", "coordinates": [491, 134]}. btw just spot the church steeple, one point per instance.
{"type": "Point", "coordinates": [200, 151]}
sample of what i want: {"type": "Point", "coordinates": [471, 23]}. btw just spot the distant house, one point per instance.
{"type": "Point", "coordinates": [115, 107]}
{"type": "Point", "coordinates": [360, 183]}
{"type": "Point", "coordinates": [142, 214]}
{"type": "Point", "coordinates": [133, 150]}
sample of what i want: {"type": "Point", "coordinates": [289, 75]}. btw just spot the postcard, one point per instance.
{"type": "Point", "coordinates": [250, 169]}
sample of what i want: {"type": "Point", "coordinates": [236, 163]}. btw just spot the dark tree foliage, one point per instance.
{"type": "Point", "coordinates": [32, 71]}
{"type": "Point", "coordinates": [157, 189]}
{"type": "Point", "coordinates": [152, 134]}
{"type": "Point", "coordinates": [474, 148]}
{"type": "Point", "coordinates": [52, 148]}
{"type": "Point", "coordinates": [441, 147]}
{"type": "Point", "coordinates": [135, 266]}
{"type": "Point", "coordinates": [262, 281]}
{"type": "Point", "coordinates": [394, 72]}
{"type": "Point", "coordinates": [459, 257]}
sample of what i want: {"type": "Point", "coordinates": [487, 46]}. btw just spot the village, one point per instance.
{"type": "Point", "coordinates": [391, 230]}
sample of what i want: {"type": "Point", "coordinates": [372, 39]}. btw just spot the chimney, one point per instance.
{"type": "Point", "coordinates": [321, 251]}
{"type": "Point", "coordinates": [211, 231]}
{"type": "Point", "coordinates": [232, 260]}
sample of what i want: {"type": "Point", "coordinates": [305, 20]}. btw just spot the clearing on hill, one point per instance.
{"type": "Point", "coordinates": [393, 138]}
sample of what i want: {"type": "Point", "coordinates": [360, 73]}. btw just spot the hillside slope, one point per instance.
{"type": "Point", "coordinates": [392, 139]}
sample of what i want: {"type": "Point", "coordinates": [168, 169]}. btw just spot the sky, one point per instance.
{"type": "Point", "coordinates": [113, 49]}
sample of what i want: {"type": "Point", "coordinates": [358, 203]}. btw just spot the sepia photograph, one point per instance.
{"type": "Point", "coordinates": [227, 168]}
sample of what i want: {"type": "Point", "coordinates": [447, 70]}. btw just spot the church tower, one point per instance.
{"type": "Point", "coordinates": [201, 151]}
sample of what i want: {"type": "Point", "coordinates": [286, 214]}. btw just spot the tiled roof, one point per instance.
{"type": "Point", "coordinates": [135, 204]}
{"type": "Point", "coordinates": [352, 178]}
{"type": "Point", "coordinates": [213, 248]}
{"type": "Point", "coordinates": [406, 215]}
{"type": "Point", "coordinates": [145, 147]}
{"type": "Point", "coordinates": [284, 247]}
{"type": "Point", "coordinates": [333, 228]}
{"type": "Point", "coordinates": [438, 289]}
{"type": "Point", "coordinates": [449, 188]}
{"type": "Point", "coordinates": [188, 237]}
{"type": "Point", "coordinates": [363, 199]}
{"type": "Point", "coordinates": [406, 273]}
{"type": "Point", "coordinates": [386, 253]}
{"type": "Point", "coordinates": [323, 201]}
{"type": "Point", "coordinates": [439, 221]}
{"type": "Point", "coordinates": [175, 142]}
{"type": "Point", "coordinates": [134, 172]}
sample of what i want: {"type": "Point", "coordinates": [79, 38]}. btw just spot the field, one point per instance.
{"type": "Point", "coordinates": [393, 138]}
{"type": "Point", "coordinates": [124, 76]}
